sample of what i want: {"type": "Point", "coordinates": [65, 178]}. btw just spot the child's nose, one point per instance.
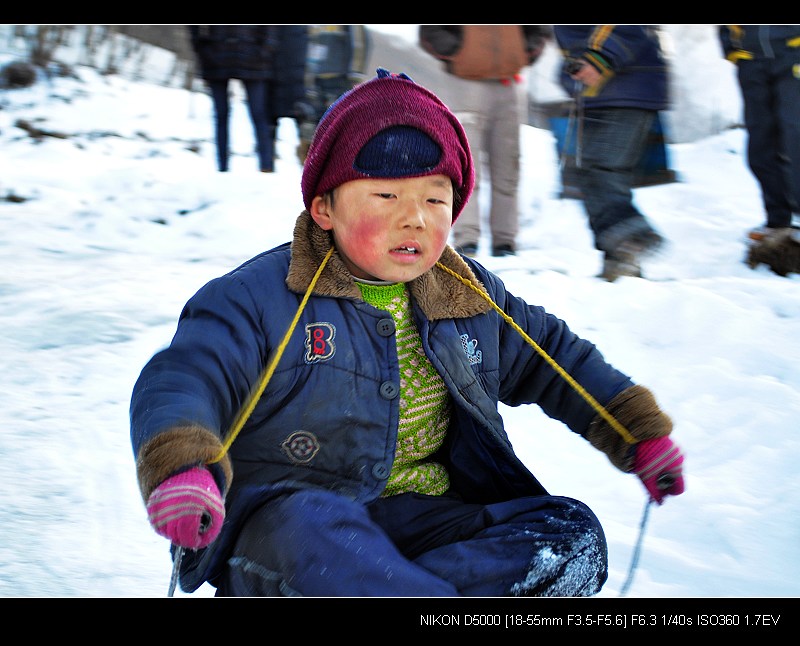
{"type": "Point", "coordinates": [412, 214]}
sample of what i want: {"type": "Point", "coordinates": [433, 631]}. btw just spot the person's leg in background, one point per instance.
{"type": "Point", "coordinates": [613, 141]}
{"type": "Point", "coordinates": [764, 150]}
{"type": "Point", "coordinates": [258, 102]}
{"type": "Point", "coordinates": [467, 229]}
{"type": "Point", "coordinates": [788, 91]}
{"type": "Point", "coordinates": [219, 97]}
{"type": "Point", "coordinates": [503, 152]}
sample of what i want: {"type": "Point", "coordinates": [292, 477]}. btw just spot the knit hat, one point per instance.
{"type": "Point", "coordinates": [388, 127]}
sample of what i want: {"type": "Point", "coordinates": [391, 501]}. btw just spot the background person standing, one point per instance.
{"type": "Point", "coordinates": [246, 53]}
{"type": "Point", "coordinates": [288, 84]}
{"type": "Point", "coordinates": [486, 61]}
{"type": "Point", "coordinates": [618, 77]}
{"type": "Point", "coordinates": [336, 61]}
{"type": "Point", "coordinates": [767, 59]}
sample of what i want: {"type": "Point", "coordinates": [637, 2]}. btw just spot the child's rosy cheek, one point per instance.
{"type": "Point", "coordinates": [368, 229]}
{"type": "Point", "coordinates": [441, 236]}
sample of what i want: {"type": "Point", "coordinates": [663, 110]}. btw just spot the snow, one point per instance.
{"type": "Point", "coordinates": [122, 221]}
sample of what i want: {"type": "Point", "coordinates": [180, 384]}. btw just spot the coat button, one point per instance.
{"type": "Point", "coordinates": [389, 390]}
{"type": "Point", "coordinates": [380, 470]}
{"type": "Point", "coordinates": [386, 327]}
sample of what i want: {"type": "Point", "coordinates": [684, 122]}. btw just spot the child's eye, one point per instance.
{"type": "Point", "coordinates": [440, 201]}
{"type": "Point", "coordinates": [386, 195]}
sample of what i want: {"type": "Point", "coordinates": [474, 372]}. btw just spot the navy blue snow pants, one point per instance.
{"type": "Point", "coordinates": [320, 544]}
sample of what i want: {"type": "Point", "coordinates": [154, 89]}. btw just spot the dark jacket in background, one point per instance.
{"type": "Point", "coordinates": [336, 60]}
{"type": "Point", "coordinates": [290, 69]}
{"type": "Point", "coordinates": [748, 42]}
{"type": "Point", "coordinates": [235, 51]}
{"type": "Point", "coordinates": [767, 59]}
{"type": "Point", "coordinates": [636, 72]}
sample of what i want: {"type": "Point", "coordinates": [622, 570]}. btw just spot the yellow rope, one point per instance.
{"type": "Point", "coordinates": [256, 394]}
{"type": "Point", "coordinates": [615, 424]}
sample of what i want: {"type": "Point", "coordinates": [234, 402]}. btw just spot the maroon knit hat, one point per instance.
{"type": "Point", "coordinates": [387, 127]}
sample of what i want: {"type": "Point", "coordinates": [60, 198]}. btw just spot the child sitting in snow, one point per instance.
{"type": "Point", "coordinates": [325, 420]}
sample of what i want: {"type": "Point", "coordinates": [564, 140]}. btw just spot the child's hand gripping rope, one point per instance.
{"type": "Point", "coordinates": [187, 508]}
{"type": "Point", "coordinates": [659, 465]}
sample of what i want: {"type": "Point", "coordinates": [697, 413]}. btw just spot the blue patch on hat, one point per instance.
{"type": "Point", "coordinates": [399, 151]}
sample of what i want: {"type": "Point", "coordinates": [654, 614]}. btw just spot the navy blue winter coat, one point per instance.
{"type": "Point", "coordinates": [329, 415]}
{"type": "Point", "coordinates": [639, 72]}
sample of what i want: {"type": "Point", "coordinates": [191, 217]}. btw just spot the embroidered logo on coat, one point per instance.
{"type": "Point", "coordinates": [301, 447]}
{"type": "Point", "coordinates": [474, 356]}
{"type": "Point", "coordinates": [319, 342]}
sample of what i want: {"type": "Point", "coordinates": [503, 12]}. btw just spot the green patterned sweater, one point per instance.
{"type": "Point", "coordinates": [424, 403]}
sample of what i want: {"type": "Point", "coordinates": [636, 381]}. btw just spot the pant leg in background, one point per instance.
{"type": "Point", "coordinates": [771, 96]}
{"type": "Point", "coordinates": [502, 141]}
{"type": "Point", "coordinates": [789, 118]}
{"type": "Point", "coordinates": [467, 229]}
{"type": "Point", "coordinates": [489, 112]}
{"type": "Point", "coordinates": [220, 99]}
{"type": "Point", "coordinates": [613, 141]}
{"type": "Point", "coordinates": [263, 122]}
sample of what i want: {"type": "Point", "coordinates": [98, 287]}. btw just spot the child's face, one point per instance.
{"type": "Point", "coordinates": [389, 229]}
